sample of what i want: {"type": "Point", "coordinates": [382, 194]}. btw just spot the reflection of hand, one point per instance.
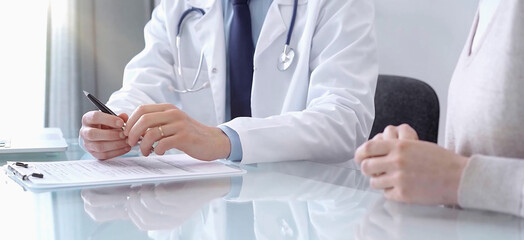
{"type": "Point", "coordinates": [391, 220]}
{"type": "Point", "coordinates": [151, 207]}
{"type": "Point", "coordinates": [103, 136]}
{"type": "Point", "coordinates": [173, 128]}
{"type": "Point", "coordinates": [412, 171]}
{"type": "Point", "coordinates": [107, 204]}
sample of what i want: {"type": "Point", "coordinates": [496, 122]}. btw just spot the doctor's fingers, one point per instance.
{"type": "Point", "coordinates": [97, 134]}
{"type": "Point", "coordinates": [175, 141]}
{"type": "Point", "coordinates": [155, 134]}
{"type": "Point", "coordinates": [96, 118]}
{"type": "Point", "coordinates": [139, 128]}
{"type": "Point", "coordinates": [373, 148]}
{"type": "Point", "coordinates": [111, 154]}
{"type": "Point", "coordinates": [143, 110]}
{"type": "Point", "coordinates": [154, 120]}
{"type": "Point", "coordinates": [106, 150]}
{"type": "Point", "coordinates": [104, 146]}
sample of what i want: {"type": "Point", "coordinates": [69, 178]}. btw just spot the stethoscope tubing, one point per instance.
{"type": "Point", "coordinates": [292, 25]}
{"type": "Point", "coordinates": [179, 70]}
{"type": "Point", "coordinates": [184, 15]}
{"type": "Point", "coordinates": [202, 12]}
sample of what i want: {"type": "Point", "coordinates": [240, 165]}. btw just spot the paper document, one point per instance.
{"type": "Point", "coordinates": [116, 171]}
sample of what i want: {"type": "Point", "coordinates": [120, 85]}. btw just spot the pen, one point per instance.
{"type": "Point", "coordinates": [101, 106]}
{"type": "Point", "coordinates": [105, 109]}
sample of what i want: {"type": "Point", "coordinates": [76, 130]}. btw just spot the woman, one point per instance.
{"type": "Point", "coordinates": [482, 166]}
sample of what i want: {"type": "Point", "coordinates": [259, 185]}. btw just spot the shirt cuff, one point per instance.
{"type": "Point", "coordinates": [234, 139]}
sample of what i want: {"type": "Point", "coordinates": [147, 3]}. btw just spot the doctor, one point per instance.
{"type": "Point", "coordinates": [296, 77]}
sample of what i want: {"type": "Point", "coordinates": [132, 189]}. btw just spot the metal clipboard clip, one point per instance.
{"type": "Point", "coordinates": [19, 174]}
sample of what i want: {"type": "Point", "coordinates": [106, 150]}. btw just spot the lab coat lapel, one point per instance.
{"type": "Point", "coordinates": [209, 32]}
{"type": "Point", "coordinates": [273, 28]}
{"type": "Point", "coordinates": [275, 25]}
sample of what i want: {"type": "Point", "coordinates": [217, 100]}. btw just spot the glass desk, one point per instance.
{"type": "Point", "coordinates": [293, 200]}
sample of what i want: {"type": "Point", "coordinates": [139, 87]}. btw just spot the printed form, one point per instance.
{"type": "Point", "coordinates": [121, 170]}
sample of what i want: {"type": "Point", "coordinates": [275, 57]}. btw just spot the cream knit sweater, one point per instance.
{"type": "Point", "coordinates": [486, 113]}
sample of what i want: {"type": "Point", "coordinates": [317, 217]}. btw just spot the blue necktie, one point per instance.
{"type": "Point", "coordinates": [241, 52]}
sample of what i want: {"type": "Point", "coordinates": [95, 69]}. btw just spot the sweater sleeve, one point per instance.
{"type": "Point", "coordinates": [493, 183]}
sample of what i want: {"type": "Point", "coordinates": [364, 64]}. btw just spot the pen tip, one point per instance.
{"type": "Point", "coordinates": [86, 93]}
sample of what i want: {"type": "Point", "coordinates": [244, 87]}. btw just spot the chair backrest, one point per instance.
{"type": "Point", "coordinates": [401, 100]}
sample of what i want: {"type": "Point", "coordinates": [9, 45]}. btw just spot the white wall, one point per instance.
{"type": "Point", "coordinates": [423, 39]}
{"type": "Point", "coordinates": [118, 39]}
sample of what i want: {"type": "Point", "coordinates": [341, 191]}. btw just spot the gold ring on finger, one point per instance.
{"type": "Point", "coordinates": [160, 130]}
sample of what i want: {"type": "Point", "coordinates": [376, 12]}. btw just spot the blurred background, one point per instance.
{"type": "Point", "coordinates": [51, 50]}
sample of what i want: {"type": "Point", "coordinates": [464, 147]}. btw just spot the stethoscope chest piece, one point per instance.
{"type": "Point", "coordinates": [288, 55]}
{"type": "Point", "coordinates": [286, 58]}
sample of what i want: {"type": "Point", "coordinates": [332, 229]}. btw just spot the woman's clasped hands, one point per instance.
{"type": "Point", "coordinates": [410, 170]}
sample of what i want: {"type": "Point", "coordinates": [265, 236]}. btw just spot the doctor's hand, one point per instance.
{"type": "Point", "coordinates": [173, 128]}
{"type": "Point", "coordinates": [103, 136]}
{"type": "Point", "coordinates": [412, 171]}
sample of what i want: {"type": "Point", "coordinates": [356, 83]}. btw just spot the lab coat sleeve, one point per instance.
{"type": "Point", "coordinates": [339, 111]}
{"type": "Point", "coordinates": [493, 183]}
{"type": "Point", "coordinates": [149, 75]}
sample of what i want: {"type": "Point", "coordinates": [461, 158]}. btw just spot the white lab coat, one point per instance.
{"type": "Point", "coordinates": [321, 108]}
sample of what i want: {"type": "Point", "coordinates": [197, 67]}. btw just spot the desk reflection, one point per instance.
{"type": "Point", "coordinates": [392, 220]}
{"type": "Point", "coordinates": [153, 207]}
{"type": "Point", "coordinates": [300, 200]}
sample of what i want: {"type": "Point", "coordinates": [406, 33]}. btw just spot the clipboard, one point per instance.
{"type": "Point", "coordinates": [44, 176]}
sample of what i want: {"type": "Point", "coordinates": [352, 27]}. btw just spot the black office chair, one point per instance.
{"type": "Point", "coordinates": [401, 100]}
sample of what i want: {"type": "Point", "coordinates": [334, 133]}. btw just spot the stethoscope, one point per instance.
{"type": "Point", "coordinates": [285, 60]}
{"type": "Point", "coordinates": [288, 55]}
{"type": "Point", "coordinates": [193, 87]}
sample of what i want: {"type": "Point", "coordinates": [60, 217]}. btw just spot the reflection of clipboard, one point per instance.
{"type": "Point", "coordinates": [119, 171]}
